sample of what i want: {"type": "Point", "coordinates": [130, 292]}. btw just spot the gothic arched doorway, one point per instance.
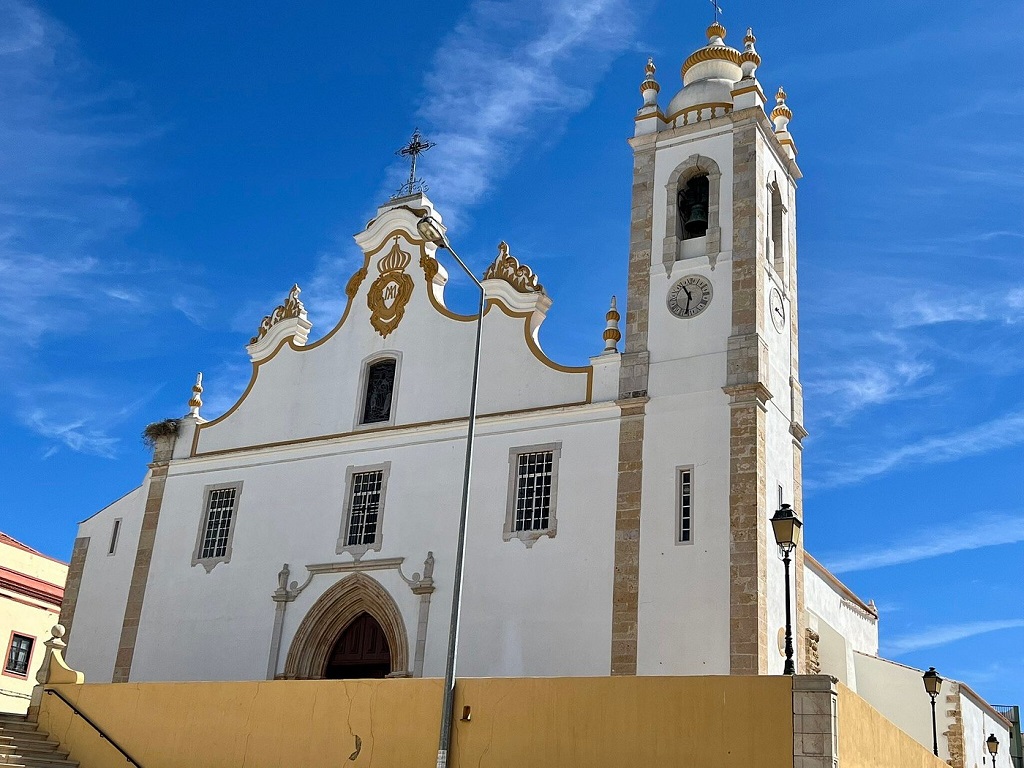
{"type": "Point", "coordinates": [362, 651]}
{"type": "Point", "coordinates": [312, 649]}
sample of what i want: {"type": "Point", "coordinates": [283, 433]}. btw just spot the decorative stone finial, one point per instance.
{"type": "Point", "coordinates": [611, 330]}
{"type": "Point", "coordinates": [54, 670]}
{"type": "Point", "coordinates": [197, 401]}
{"type": "Point", "coordinates": [507, 267]}
{"type": "Point", "coordinates": [782, 114]}
{"type": "Point", "coordinates": [649, 87]}
{"type": "Point", "coordinates": [716, 34]}
{"type": "Point", "coordinates": [749, 59]}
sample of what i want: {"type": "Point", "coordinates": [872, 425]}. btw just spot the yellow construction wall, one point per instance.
{"type": "Point", "coordinates": [868, 740]}
{"type": "Point", "coordinates": [712, 722]}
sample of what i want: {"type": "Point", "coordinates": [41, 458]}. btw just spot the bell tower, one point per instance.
{"type": "Point", "coordinates": [711, 425]}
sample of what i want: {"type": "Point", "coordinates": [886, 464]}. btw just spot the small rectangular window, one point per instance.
{"type": "Point", "coordinates": [365, 507]}
{"type": "Point", "coordinates": [213, 543]}
{"type": "Point", "coordinates": [220, 509]}
{"type": "Point", "coordinates": [19, 655]}
{"type": "Point", "coordinates": [115, 534]}
{"type": "Point", "coordinates": [361, 527]}
{"type": "Point", "coordinates": [533, 488]}
{"type": "Point", "coordinates": [534, 475]}
{"type": "Point", "coordinates": [684, 505]}
{"type": "Point", "coordinates": [780, 498]}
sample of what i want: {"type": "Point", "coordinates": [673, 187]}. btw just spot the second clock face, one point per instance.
{"type": "Point", "coordinates": [777, 309]}
{"type": "Point", "coordinates": [689, 296]}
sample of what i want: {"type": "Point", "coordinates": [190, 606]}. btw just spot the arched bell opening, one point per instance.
{"type": "Point", "coordinates": [362, 651]}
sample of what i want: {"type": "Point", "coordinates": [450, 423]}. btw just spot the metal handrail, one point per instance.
{"type": "Point", "coordinates": [95, 727]}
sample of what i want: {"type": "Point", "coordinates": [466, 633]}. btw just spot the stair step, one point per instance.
{"type": "Point", "coordinates": [36, 749]}
{"type": "Point", "coordinates": [37, 762]}
{"type": "Point", "coordinates": [22, 734]}
{"type": "Point", "coordinates": [17, 726]}
{"type": "Point", "coordinates": [7, 742]}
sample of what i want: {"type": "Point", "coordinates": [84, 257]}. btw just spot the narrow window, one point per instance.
{"type": "Point", "coordinates": [213, 544]}
{"type": "Point", "coordinates": [684, 494]}
{"type": "Point", "coordinates": [780, 498]}
{"type": "Point", "coordinates": [115, 534]}
{"type": "Point", "coordinates": [18, 655]}
{"type": "Point", "coordinates": [693, 207]}
{"type": "Point", "coordinates": [364, 507]}
{"type": "Point", "coordinates": [776, 251]}
{"type": "Point", "coordinates": [533, 482]}
{"type": "Point", "coordinates": [380, 387]}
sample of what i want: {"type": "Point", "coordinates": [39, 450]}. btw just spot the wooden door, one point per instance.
{"type": "Point", "coordinates": [361, 651]}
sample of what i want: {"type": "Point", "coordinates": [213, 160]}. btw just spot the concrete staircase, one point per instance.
{"type": "Point", "coordinates": [23, 744]}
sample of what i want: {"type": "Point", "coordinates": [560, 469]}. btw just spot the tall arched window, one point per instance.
{"type": "Point", "coordinates": [380, 389]}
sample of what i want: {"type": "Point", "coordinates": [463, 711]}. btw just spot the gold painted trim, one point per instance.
{"type": "Point", "coordinates": [649, 115]}
{"type": "Point", "coordinates": [305, 348]}
{"type": "Point", "coordinates": [748, 89]}
{"type": "Point", "coordinates": [530, 343]}
{"type": "Point", "coordinates": [392, 428]}
{"type": "Point", "coordinates": [711, 53]}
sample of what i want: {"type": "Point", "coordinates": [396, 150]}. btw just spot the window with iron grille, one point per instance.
{"type": "Point", "coordinates": [18, 655]}
{"type": "Point", "coordinates": [213, 544]}
{"type": "Point", "coordinates": [361, 529]}
{"type": "Point", "coordinates": [380, 389]}
{"type": "Point", "coordinates": [533, 483]}
{"type": "Point", "coordinates": [684, 505]}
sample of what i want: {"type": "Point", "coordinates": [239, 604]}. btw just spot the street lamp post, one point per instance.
{"type": "Point", "coordinates": [786, 526]}
{"type": "Point", "coordinates": [993, 747]}
{"type": "Point", "coordinates": [433, 231]}
{"type": "Point", "coordinates": [933, 684]}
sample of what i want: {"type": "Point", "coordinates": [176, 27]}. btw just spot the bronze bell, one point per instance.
{"type": "Point", "coordinates": [696, 223]}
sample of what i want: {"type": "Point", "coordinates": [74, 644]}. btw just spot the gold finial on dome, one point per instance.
{"type": "Point", "coordinates": [196, 402]}
{"type": "Point", "coordinates": [611, 331]}
{"type": "Point", "coordinates": [649, 87]}
{"type": "Point", "coordinates": [716, 30]}
{"type": "Point", "coordinates": [781, 109]}
{"type": "Point", "coordinates": [749, 59]}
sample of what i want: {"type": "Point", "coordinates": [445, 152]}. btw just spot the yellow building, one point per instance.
{"type": "Point", "coordinates": [32, 587]}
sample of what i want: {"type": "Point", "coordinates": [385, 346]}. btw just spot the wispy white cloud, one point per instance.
{"type": "Point", "coordinates": [1002, 432]}
{"type": "Point", "coordinates": [511, 70]}
{"type": "Point", "coordinates": [990, 531]}
{"type": "Point", "coordinates": [845, 390]}
{"type": "Point", "coordinates": [933, 637]}
{"type": "Point", "coordinates": [953, 305]}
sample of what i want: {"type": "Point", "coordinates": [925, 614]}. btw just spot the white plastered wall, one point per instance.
{"type": "Point", "coordinates": [103, 593]}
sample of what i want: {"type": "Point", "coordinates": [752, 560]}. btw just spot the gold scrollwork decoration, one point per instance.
{"type": "Point", "coordinates": [507, 267]}
{"type": "Point", "coordinates": [390, 292]}
{"type": "Point", "coordinates": [292, 307]}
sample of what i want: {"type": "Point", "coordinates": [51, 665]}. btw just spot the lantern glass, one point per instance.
{"type": "Point", "coordinates": [786, 527]}
{"type": "Point", "coordinates": [432, 231]}
{"type": "Point", "coordinates": [993, 744]}
{"type": "Point", "coordinates": [932, 682]}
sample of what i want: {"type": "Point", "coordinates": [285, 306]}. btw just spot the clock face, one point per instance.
{"type": "Point", "coordinates": [689, 296]}
{"type": "Point", "coordinates": [777, 309]}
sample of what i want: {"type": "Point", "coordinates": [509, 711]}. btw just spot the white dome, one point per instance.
{"type": "Point", "coordinates": [709, 74]}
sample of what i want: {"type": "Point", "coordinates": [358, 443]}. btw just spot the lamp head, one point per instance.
{"type": "Point", "coordinates": [432, 231]}
{"type": "Point", "coordinates": [993, 745]}
{"type": "Point", "coordinates": [932, 682]}
{"type": "Point", "coordinates": [786, 526]}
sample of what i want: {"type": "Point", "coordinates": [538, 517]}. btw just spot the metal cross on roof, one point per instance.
{"type": "Point", "coordinates": [718, 8]}
{"type": "Point", "coordinates": [412, 150]}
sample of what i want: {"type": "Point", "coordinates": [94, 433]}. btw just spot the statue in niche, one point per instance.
{"type": "Point", "coordinates": [692, 201]}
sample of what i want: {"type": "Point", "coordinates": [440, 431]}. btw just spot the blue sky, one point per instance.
{"type": "Point", "coordinates": [166, 174]}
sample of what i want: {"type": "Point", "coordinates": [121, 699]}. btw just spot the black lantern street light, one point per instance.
{"type": "Point", "coordinates": [786, 526]}
{"type": "Point", "coordinates": [433, 232]}
{"type": "Point", "coordinates": [933, 684]}
{"type": "Point", "coordinates": [993, 747]}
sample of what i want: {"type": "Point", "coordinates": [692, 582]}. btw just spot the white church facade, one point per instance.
{"type": "Point", "coordinates": [619, 514]}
